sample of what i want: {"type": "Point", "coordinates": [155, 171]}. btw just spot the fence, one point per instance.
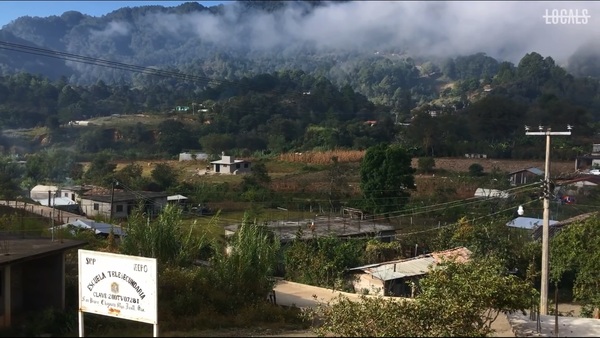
{"type": "Point", "coordinates": [56, 216]}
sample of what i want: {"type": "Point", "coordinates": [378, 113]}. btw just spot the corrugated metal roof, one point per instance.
{"type": "Point", "coordinates": [413, 266]}
{"type": "Point", "coordinates": [98, 227]}
{"type": "Point", "coordinates": [528, 222]}
{"type": "Point", "coordinates": [176, 198]}
{"type": "Point", "coordinates": [56, 201]}
{"type": "Point", "coordinates": [532, 170]}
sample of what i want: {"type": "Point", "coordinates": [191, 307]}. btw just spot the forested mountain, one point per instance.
{"type": "Point", "coordinates": [238, 39]}
{"type": "Point", "coordinates": [276, 93]}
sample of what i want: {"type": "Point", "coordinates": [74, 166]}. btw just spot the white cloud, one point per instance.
{"type": "Point", "coordinates": [505, 30]}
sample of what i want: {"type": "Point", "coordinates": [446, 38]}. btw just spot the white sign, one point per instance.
{"type": "Point", "coordinates": [118, 286]}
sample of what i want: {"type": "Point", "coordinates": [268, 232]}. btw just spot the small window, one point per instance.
{"type": "Point", "coordinates": [66, 194]}
{"type": "Point", "coordinates": [237, 166]}
{"type": "Point", "coordinates": [96, 206]}
{"type": "Point", "coordinates": [224, 165]}
{"type": "Point", "coordinates": [120, 208]}
{"type": "Point", "coordinates": [245, 165]}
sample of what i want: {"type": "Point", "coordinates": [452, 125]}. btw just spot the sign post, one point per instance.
{"type": "Point", "coordinates": [118, 286]}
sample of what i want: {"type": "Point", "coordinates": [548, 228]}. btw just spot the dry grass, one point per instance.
{"type": "Point", "coordinates": [343, 156]}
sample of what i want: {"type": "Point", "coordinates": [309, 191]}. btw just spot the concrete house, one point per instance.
{"type": "Point", "coordinates": [229, 165]}
{"type": "Point", "coordinates": [394, 278]}
{"type": "Point", "coordinates": [589, 161]}
{"type": "Point", "coordinates": [121, 203]}
{"type": "Point", "coordinates": [525, 176]}
{"type": "Point", "coordinates": [74, 192]}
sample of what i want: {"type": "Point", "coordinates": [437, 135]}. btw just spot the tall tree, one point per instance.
{"type": "Point", "coordinates": [386, 178]}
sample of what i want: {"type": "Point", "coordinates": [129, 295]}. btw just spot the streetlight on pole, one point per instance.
{"type": "Point", "coordinates": [546, 220]}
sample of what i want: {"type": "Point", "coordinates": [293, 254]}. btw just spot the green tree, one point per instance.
{"type": "Point", "coordinates": [321, 261]}
{"type": "Point", "coordinates": [167, 238]}
{"type": "Point", "coordinates": [575, 249]}
{"type": "Point", "coordinates": [101, 170]}
{"type": "Point", "coordinates": [174, 136]}
{"type": "Point", "coordinates": [131, 177]}
{"type": "Point", "coordinates": [245, 274]}
{"type": "Point", "coordinates": [386, 178]}
{"type": "Point", "coordinates": [164, 175]}
{"type": "Point", "coordinates": [255, 186]}
{"type": "Point", "coordinates": [455, 300]}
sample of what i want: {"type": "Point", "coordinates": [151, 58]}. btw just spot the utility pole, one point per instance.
{"type": "Point", "coordinates": [112, 199]}
{"type": "Point", "coordinates": [546, 217]}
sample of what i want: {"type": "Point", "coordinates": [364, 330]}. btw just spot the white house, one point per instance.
{"type": "Point", "coordinates": [121, 204]}
{"type": "Point", "coordinates": [229, 165]}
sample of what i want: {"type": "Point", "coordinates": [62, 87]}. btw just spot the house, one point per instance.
{"type": "Point", "coordinates": [74, 192]}
{"type": "Point", "coordinates": [579, 185]}
{"type": "Point", "coordinates": [554, 228]}
{"type": "Point", "coordinates": [229, 165]}
{"type": "Point", "coordinates": [120, 203]}
{"type": "Point", "coordinates": [589, 161]}
{"type": "Point", "coordinates": [188, 156]}
{"type": "Point", "coordinates": [32, 275]}
{"type": "Point", "coordinates": [178, 199]}
{"type": "Point", "coordinates": [395, 278]}
{"type": "Point", "coordinates": [524, 176]}
{"type": "Point", "coordinates": [43, 191]}
{"type": "Point", "coordinates": [529, 223]}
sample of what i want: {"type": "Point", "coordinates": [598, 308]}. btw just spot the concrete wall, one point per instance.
{"type": "Point", "coordinates": [239, 168]}
{"type": "Point", "coordinates": [87, 206]}
{"type": "Point", "coordinates": [35, 285]}
{"type": "Point", "coordinates": [189, 157]}
{"type": "Point", "coordinates": [366, 281]}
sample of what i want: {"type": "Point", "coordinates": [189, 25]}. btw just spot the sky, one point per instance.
{"type": "Point", "coordinates": [11, 10]}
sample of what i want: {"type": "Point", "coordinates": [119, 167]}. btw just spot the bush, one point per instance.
{"type": "Point", "coordinates": [476, 169]}
{"type": "Point", "coordinates": [426, 164]}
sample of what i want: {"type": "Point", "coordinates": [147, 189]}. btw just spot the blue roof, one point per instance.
{"type": "Point", "coordinates": [528, 222]}
{"type": "Point", "coordinates": [98, 227]}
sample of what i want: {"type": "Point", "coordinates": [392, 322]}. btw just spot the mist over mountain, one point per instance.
{"type": "Point", "coordinates": [265, 36]}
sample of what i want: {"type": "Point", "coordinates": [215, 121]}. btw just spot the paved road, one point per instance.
{"type": "Point", "coordinates": [302, 295]}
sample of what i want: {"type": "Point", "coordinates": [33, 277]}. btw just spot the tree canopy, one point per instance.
{"type": "Point", "coordinates": [386, 178]}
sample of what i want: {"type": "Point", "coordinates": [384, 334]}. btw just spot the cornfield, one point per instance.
{"type": "Point", "coordinates": [323, 157]}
